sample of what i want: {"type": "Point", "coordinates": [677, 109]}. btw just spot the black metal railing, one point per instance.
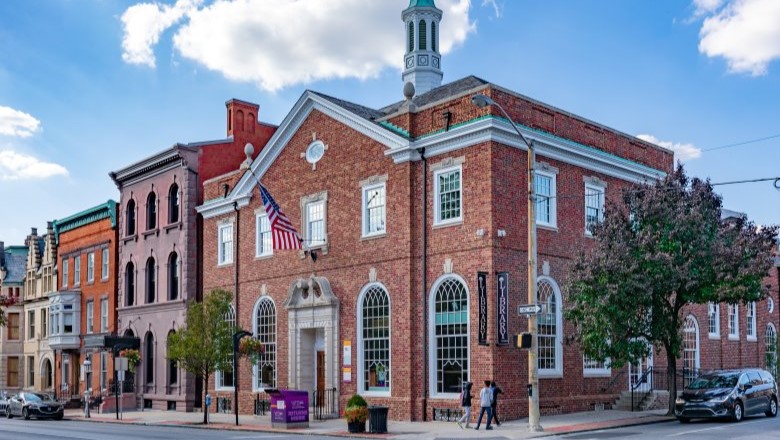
{"type": "Point", "coordinates": [447, 414]}
{"type": "Point", "coordinates": [262, 404]}
{"type": "Point", "coordinates": [617, 380]}
{"type": "Point", "coordinates": [225, 405]}
{"type": "Point", "coordinates": [127, 386]}
{"type": "Point", "coordinates": [325, 403]}
{"type": "Point", "coordinates": [658, 379]}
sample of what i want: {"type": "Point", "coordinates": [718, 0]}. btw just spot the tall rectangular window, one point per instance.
{"type": "Point", "coordinates": [225, 250]}
{"type": "Point", "coordinates": [733, 322]}
{"type": "Point", "coordinates": [12, 376]}
{"type": "Point", "coordinates": [103, 369]}
{"type": "Point", "coordinates": [750, 323]}
{"type": "Point", "coordinates": [44, 323]}
{"type": "Point", "coordinates": [315, 223]}
{"type": "Point", "coordinates": [77, 270]}
{"type": "Point", "coordinates": [264, 242]}
{"type": "Point", "coordinates": [545, 198]}
{"type": "Point", "coordinates": [13, 326]}
{"type": "Point", "coordinates": [104, 264]}
{"type": "Point", "coordinates": [594, 206]}
{"type": "Point", "coordinates": [67, 323]}
{"type": "Point", "coordinates": [90, 316]}
{"type": "Point", "coordinates": [713, 320]}
{"type": "Point", "coordinates": [104, 315]}
{"type": "Point", "coordinates": [31, 324]}
{"type": "Point", "coordinates": [31, 371]}
{"type": "Point", "coordinates": [64, 273]}
{"type": "Point", "coordinates": [448, 205]}
{"type": "Point", "coordinates": [90, 267]}
{"type": "Point", "coordinates": [374, 209]}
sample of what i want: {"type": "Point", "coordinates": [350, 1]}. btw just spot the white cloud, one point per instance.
{"type": "Point", "coordinates": [286, 42]}
{"type": "Point", "coordinates": [706, 6]}
{"type": "Point", "coordinates": [18, 166]}
{"type": "Point", "coordinates": [682, 152]}
{"type": "Point", "coordinates": [144, 23]}
{"type": "Point", "coordinates": [497, 9]}
{"type": "Point", "coordinates": [17, 123]}
{"type": "Point", "coordinates": [744, 32]}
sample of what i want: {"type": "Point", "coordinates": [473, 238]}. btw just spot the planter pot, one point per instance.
{"type": "Point", "coordinates": [356, 426]}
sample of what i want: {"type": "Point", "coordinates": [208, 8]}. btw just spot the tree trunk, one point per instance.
{"type": "Point", "coordinates": [671, 377]}
{"type": "Point", "coordinates": [205, 379]}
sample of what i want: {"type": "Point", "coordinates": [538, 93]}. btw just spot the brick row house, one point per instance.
{"type": "Point", "coordinates": [416, 211]}
{"type": "Point", "coordinates": [159, 249]}
{"type": "Point", "coordinates": [82, 311]}
{"type": "Point", "coordinates": [13, 260]}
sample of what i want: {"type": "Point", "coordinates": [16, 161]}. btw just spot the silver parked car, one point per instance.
{"type": "Point", "coordinates": [4, 403]}
{"type": "Point", "coordinates": [35, 405]}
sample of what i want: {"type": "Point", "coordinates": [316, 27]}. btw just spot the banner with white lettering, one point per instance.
{"type": "Point", "coordinates": [502, 307]}
{"type": "Point", "coordinates": [483, 313]}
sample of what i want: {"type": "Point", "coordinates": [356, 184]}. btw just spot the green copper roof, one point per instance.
{"type": "Point", "coordinates": [421, 3]}
{"type": "Point", "coordinates": [91, 215]}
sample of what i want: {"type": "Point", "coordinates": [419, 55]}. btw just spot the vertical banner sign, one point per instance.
{"type": "Point", "coordinates": [483, 313]}
{"type": "Point", "coordinates": [502, 307]}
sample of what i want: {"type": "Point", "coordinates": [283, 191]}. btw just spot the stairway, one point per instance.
{"type": "Point", "coordinates": [643, 401]}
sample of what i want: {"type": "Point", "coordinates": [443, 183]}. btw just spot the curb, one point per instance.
{"type": "Point", "coordinates": [637, 422]}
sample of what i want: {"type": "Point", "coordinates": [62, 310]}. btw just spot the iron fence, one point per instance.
{"type": "Point", "coordinates": [325, 403]}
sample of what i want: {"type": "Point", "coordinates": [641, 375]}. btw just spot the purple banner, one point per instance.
{"type": "Point", "coordinates": [288, 406]}
{"type": "Point", "coordinates": [483, 313]}
{"type": "Point", "coordinates": [502, 307]}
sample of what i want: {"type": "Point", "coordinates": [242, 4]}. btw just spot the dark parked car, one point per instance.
{"type": "Point", "coordinates": [35, 405]}
{"type": "Point", "coordinates": [729, 393]}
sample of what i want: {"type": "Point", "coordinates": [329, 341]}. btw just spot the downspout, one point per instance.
{"type": "Point", "coordinates": [425, 281]}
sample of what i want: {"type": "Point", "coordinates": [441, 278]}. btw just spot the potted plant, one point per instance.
{"type": "Point", "coordinates": [356, 413]}
{"type": "Point", "coordinates": [252, 349]}
{"type": "Point", "coordinates": [133, 357]}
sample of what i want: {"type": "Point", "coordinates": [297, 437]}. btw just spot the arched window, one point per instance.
{"type": "Point", "coordinates": [374, 340]}
{"type": "Point", "coordinates": [173, 276]}
{"type": "Point", "coordinates": [411, 36]}
{"type": "Point", "coordinates": [690, 349]}
{"type": "Point", "coordinates": [549, 328]}
{"type": "Point", "coordinates": [449, 327]}
{"type": "Point", "coordinates": [265, 332]}
{"type": "Point", "coordinates": [130, 283]}
{"type": "Point", "coordinates": [173, 204]}
{"type": "Point", "coordinates": [130, 217]}
{"type": "Point", "coordinates": [433, 36]}
{"type": "Point", "coordinates": [148, 357]}
{"type": "Point", "coordinates": [173, 368]}
{"type": "Point", "coordinates": [151, 280]}
{"type": "Point", "coordinates": [421, 30]}
{"type": "Point", "coordinates": [224, 378]}
{"type": "Point", "coordinates": [770, 339]}
{"type": "Point", "coordinates": [151, 211]}
{"type": "Point", "coordinates": [47, 374]}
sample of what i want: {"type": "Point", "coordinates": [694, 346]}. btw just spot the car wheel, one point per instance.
{"type": "Point", "coordinates": [25, 414]}
{"type": "Point", "coordinates": [684, 419]}
{"type": "Point", "coordinates": [772, 410]}
{"type": "Point", "coordinates": [738, 413]}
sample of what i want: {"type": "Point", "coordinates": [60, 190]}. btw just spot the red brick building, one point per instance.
{"type": "Point", "coordinates": [416, 211]}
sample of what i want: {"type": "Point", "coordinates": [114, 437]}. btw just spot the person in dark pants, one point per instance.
{"type": "Point", "coordinates": [485, 405]}
{"type": "Point", "coordinates": [496, 392]}
{"type": "Point", "coordinates": [465, 403]}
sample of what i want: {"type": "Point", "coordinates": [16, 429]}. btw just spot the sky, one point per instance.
{"type": "Point", "coordinates": [90, 86]}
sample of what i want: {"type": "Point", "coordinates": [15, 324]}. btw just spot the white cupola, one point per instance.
{"type": "Point", "coordinates": [422, 61]}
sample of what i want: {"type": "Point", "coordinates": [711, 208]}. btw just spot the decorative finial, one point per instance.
{"type": "Point", "coordinates": [249, 150]}
{"type": "Point", "coordinates": [409, 91]}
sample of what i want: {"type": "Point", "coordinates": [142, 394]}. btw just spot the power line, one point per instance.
{"type": "Point", "coordinates": [752, 141]}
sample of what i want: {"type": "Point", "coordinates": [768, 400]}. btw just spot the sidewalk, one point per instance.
{"type": "Point", "coordinates": [516, 429]}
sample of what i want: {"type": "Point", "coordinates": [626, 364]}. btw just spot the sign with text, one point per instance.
{"type": "Point", "coordinates": [289, 408]}
{"type": "Point", "coordinates": [528, 309]}
{"type": "Point", "coordinates": [502, 307]}
{"type": "Point", "coordinates": [347, 353]}
{"type": "Point", "coordinates": [483, 313]}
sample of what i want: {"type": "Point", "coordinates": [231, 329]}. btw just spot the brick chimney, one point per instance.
{"type": "Point", "coordinates": [2, 256]}
{"type": "Point", "coordinates": [241, 118]}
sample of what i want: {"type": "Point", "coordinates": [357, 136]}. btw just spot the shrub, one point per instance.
{"type": "Point", "coordinates": [357, 401]}
{"type": "Point", "coordinates": [356, 414]}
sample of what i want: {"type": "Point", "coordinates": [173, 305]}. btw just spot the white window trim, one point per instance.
{"type": "Point", "coordinates": [715, 335]}
{"type": "Point", "coordinates": [436, 205]}
{"type": "Point", "coordinates": [90, 267]}
{"type": "Point", "coordinates": [601, 188]}
{"type": "Point", "coordinates": [269, 252]}
{"type": "Point", "coordinates": [103, 329]}
{"type": "Point", "coordinates": [553, 223]}
{"type": "Point", "coordinates": [556, 372]}
{"type": "Point", "coordinates": [734, 336]}
{"type": "Point", "coordinates": [90, 317]}
{"type": "Point", "coordinates": [753, 327]}
{"type": "Point", "coordinates": [256, 374]}
{"type": "Point", "coordinates": [360, 354]}
{"type": "Point", "coordinates": [432, 337]}
{"type": "Point", "coordinates": [104, 257]}
{"type": "Point", "coordinates": [364, 210]}
{"type": "Point", "coordinates": [218, 373]}
{"type": "Point", "coordinates": [65, 273]}
{"type": "Point", "coordinates": [596, 372]}
{"type": "Point", "coordinates": [321, 197]}
{"type": "Point", "coordinates": [221, 259]}
{"type": "Point", "coordinates": [77, 270]}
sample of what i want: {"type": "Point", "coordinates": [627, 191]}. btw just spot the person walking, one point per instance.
{"type": "Point", "coordinates": [485, 405]}
{"type": "Point", "coordinates": [465, 403]}
{"type": "Point", "coordinates": [496, 392]}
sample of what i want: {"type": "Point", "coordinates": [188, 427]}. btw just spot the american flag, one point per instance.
{"type": "Point", "coordinates": [284, 234]}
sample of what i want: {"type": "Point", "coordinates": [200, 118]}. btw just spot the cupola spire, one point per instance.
{"type": "Point", "coordinates": [422, 60]}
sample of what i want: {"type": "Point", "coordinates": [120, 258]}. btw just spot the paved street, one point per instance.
{"type": "Point", "coordinates": [753, 428]}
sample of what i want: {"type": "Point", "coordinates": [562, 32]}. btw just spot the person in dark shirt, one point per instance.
{"type": "Point", "coordinates": [496, 391]}
{"type": "Point", "coordinates": [465, 403]}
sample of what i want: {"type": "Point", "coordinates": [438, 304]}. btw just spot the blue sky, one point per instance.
{"type": "Point", "coordinates": [87, 87]}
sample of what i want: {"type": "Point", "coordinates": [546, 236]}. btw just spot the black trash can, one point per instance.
{"type": "Point", "coordinates": [377, 418]}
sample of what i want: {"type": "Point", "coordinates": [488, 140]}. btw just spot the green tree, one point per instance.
{"type": "Point", "coordinates": [205, 344]}
{"type": "Point", "coordinates": [662, 249]}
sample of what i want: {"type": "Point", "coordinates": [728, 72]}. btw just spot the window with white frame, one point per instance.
{"type": "Point", "coordinates": [64, 273]}
{"type": "Point", "coordinates": [733, 321]}
{"type": "Point", "coordinates": [549, 328]}
{"type": "Point", "coordinates": [750, 322]}
{"type": "Point", "coordinates": [90, 267]}
{"type": "Point", "coordinates": [77, 270]}
{"type": "Point", "coordinates": [44, 323]}
{"type": "Point", "coordinates": [225, 244]}
{"type": "Point", "coordinates": [544, 188]}
{"type": "Point", "coordinates": [104, 315]}
{"type": "Point", "coordinates": [594, 367]}
{"type": "Point", "coordinates": [224, 378]}
{"type": "Point", "coordinates": [265, 244]}
{"type": "Point", "coordinates": [713, 320]}
{"type": "Point", "coordinates": [103, 369]}
{"type": "Point", "coordinates": [265, 332]}
{"type": "Point", "coordinates": [374, 209]}
{"type": "Point", "coordinates": [104, 264]}
{"type": "Point", "coordinates": [770, 347]}
{"type": "Point", "coordinates": [315, 223]}
{"type": "Point", "coordinates": [449, 330]}
{"type": "Point", "coordinates": [448, 195]}
{"type": "Point", "coordinates": [374, 341]}
{"type": "Point", "coordinates": [90, 316]}
{"type": "Point", "coordinates": [31, 324]}
{"type": "Point", "coordinates": [594, 205]}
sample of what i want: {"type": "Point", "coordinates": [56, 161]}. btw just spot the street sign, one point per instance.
{"type": "Point", "coordinates": [121, 364]}
{"type": "Point", "coordinates": [528, 309]}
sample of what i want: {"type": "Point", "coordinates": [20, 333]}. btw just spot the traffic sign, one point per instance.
{"type": "Point", "coordinates": [528, 309]}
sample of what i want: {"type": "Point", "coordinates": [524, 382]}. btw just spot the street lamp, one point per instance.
{"type": "Point", "coordinates": [236, 338]}
{"type": "Point", "coordinates": [87, 374]}
{"type": "Point", "coordinates": [534, 425]}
